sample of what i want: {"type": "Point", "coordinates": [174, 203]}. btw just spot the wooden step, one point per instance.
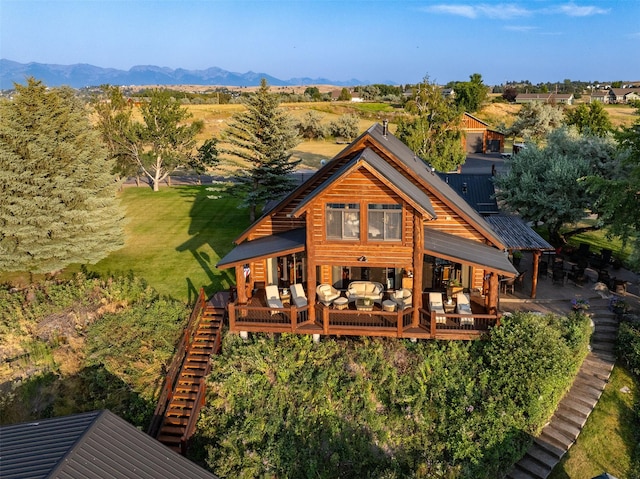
{"type": "Point", "coordinates": [571, 416]}
{"type": "Point", "coordinates": [556, 438]}
{"type": "Point", "coordinates": [533, 467]}
{"type": "Point", "coordinates": [578, 407]}
{"type": "Point", "coordinates": [549, 447]}
{"type": "Point", "coordinates": [171, 430]}
{"type": "Point", "coordinates": [177, 421]}
{"type": "Point", "coordinates": [543, 456]}
{"type": "Point", "coordinates": [518, 473]}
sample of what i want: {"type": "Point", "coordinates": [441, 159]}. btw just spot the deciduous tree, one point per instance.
{"type": "Point", "coordinates": [591, 118]}
{"type": "Point", "coordinates": [546, 185]}
{"type": "Point", "coordinates": [435, 131]}
{"type": "Point", "coordinates": [157, 146]}
{"type": "Point", "coordinates": [263, 136]}
{"type": "Point", "coordinates": [535, 121]}
{"type": "Point", "coordinates": [470, 95]}
{"type": "Point", "coordinates": [57, 192]}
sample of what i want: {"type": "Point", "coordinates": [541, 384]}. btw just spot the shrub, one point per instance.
{"type": "Point", "coordinates": [345, 126]}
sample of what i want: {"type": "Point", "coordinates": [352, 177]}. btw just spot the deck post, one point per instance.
{"type": "Point", "coordinates": [400, 319]}
{"type": "Point", "coordinates": [293, 312]}
{"type": "Point", "coordinates": [232, 317]}
{"type": "Point", "coordinates": [432, 325]}
{"type": "Point", "coordinates": [325, 320]}
{"type": "Point", "coordinates": [534, 279]}
{"type": "Point", "coordinates": [418, 259]}
{"type": "Point", "coordinates": [493, 293]}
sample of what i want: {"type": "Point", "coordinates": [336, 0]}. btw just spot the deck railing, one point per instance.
{"type": "Point", "coordinates": [377, 322]}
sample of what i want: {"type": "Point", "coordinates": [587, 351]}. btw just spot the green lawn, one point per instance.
{"type": "Point", "coordinates": [607, 439]}
{"type": "Point", "coordinates": [175, 237]}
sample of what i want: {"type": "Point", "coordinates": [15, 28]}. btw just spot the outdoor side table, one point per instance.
{"type": "Point", "coordinates": [388, 305]}
{"type": "Point", "coordinates": [340, 303]}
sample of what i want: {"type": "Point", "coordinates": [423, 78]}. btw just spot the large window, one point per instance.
{"type": "Point", "coordinates": [385, 222]}
{"type": "Point", "coordinates": [343, 221]}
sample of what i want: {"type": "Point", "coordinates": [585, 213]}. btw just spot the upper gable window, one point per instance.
{"type": "Point", "coordinates": [343, 221]}
{"type": "Point", "coordinates": [384, 222]}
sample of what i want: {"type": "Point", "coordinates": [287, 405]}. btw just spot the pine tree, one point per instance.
{"type": "Point", "coordinates": [57, 193]}
{"type": "Point", "coordinates": [263, 136]}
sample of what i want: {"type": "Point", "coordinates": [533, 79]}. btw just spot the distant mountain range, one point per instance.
{"type": "Point", "coordinates": [83, 75]}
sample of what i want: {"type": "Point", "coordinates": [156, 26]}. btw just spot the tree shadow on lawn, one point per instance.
{"type": "Point", "coordinates": [215, 223]}
{"type": "Point", "coordinates": [93, 388]}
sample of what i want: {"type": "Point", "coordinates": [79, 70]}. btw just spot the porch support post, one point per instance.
{"type": "Point", "coordinates": [241, 284]}
{"type": "Point", "coordinates": [418, 258]}
{"type": "Point", "coordinates": [311, 270]}
{"type": "Point", "coordinates": [493, 293]}
{"type": "Point", "coordinates": [534, 279]}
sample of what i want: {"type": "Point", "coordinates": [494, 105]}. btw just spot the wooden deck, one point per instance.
{"type": "Point", "coordinates": [256, 317]}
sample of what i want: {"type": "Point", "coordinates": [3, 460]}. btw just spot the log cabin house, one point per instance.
{"type": "Point", "coordinates": [374, 221]}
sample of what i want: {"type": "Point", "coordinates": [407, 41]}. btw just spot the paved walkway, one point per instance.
{"type": "Point", "coordinates": [574, 409]}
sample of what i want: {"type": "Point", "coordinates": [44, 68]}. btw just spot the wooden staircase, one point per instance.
{"type": "Point", "coordinates": [183, 393]}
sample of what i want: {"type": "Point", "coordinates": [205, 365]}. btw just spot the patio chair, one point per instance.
{"type": "Point", "coordinates": [557, 276]}
{"type": "Point", "coordinates": [298, 295]}
{"type": "Point", "coordinates": [463, 306]}
{"type": "Point", "coordinates": [508, 285]}
{"type": "Point", "coordinates": [273, 298]}
{"type": "Point", "coordinates": [326, 294]}
{"type": "Point", "coordinates": [435, 304]}
{"type": "Point", "coordinates": [402, 298]}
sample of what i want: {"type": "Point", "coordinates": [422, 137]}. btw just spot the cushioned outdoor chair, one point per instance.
{"type": "Point", "coordinates": [435, 305]}
{"type": "Point", "coordinates": [298, 295]}
{"type": "Point", "coordinates": [402, 298]}
{"type": "Point", "coordinates": [463, 306]}
{"type": "Point", "coordinates": [326, 294]}
{"type": "Point", "coordinates": [273, 298]}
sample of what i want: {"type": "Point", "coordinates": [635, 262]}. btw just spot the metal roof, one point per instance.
{"type": "Point", "coordinates": [429, 176]}
{"type": "Point", "coordinates": [477, 190]}
{"type": "Point", "coordinates": [403, 185]}
{"type": "Point", "coordinates": [290, 241]}
{"type": "Point", "coordinates": [516, 234]}
{"type": "Point", "coordinates": [467, 251]}
{"type": "Point", "coordinates": [96, 444]}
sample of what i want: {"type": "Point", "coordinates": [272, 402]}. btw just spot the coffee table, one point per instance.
{"type": "Point", "coordinates": [363, 304]}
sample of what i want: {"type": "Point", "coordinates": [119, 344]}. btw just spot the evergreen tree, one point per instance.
{"type": "Point", "coordinates": [57, 193]}
{"type": "Point", "coordinates": [435, 132]}
{"type": "Point", "coordinates": [263, 136]}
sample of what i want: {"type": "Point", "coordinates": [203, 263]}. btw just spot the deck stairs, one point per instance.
{"type": "Point", "coordinates": [183, 392]}
{"type": "Point", "coordinates": [574, 409]}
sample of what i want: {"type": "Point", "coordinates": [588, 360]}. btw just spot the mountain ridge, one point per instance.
{"type": "Point", "coordinates": [80, 75]}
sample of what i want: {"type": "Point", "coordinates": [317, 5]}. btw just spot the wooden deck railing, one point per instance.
{"type": "Point", "coordinates": [176, 364]}
{"type": "Point", "coordinates": [246, 317]}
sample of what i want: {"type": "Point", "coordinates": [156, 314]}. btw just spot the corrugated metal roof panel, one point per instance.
{"type": "Point", "coordinates": [477, 190]}
{"type": "Point", "coordinates": [516, 234]}
{"type": "Point", "coordinates": [97, 445]}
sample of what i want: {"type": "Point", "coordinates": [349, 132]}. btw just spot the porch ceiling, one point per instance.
{"type": "Point", "coordinates": [467, 251]}
{"type": "Point", "coordinates": [287, 242]}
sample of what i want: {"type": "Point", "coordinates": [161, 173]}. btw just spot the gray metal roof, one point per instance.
{"type": "Point", "coordinates": [477, 190]}
{"type": "Point", "coordinates": [403, 185]}
{"type": "Point", "coordinates": [266, 246]}
{"type": "Point", "coordinates": [467, 251]}
{"type": "Point", "coordinates": [94, 445]}
{"type": "Point", "coordinates": [516, 234]}
{"type": "Point", "coordinates": [412, 161]}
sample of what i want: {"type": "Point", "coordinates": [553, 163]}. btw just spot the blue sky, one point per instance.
{"type": "Point", "coordinates": [370, 40]}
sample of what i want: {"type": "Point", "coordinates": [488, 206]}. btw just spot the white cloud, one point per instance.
{"type": "Point", "coordinates": [505, 11]}
{"type": "Point", "coordinates": [520, 28]}
{"type": "Point", "coordinates": [500, 11]}
{"type": "Point", "coordinates": [573, 10]}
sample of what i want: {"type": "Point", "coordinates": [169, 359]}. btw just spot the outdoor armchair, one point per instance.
{"type": "Point", "coordinates": [326, 294]}
{"type": "Point", "coordinates": [402, 297]}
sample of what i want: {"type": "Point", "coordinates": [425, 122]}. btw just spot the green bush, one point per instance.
{"type": "Point", "coordinates": [628, 346]}
{"type": "Point", "coordinates": [366, 407]}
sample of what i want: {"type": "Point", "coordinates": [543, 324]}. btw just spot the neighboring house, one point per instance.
{"type": "Point", "coordinates": [376, 213]}
{"type": "Point", "coordinates": [479, 138]}
{"type": "Point", "coordinates": [622, 95]}
{"type": "Point", "coordinates": [94, 445]}
{"type": "Point", "coordinates": [553, 98]}
{"type": "Point", "coordinates": [600, 96]}
{"type": "Point", "coordinates": [355, 96]}
{"type": "Point", "coordinates": [448, 93]}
